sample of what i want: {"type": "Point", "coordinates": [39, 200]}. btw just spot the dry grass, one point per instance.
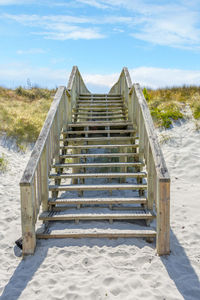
{"type": "Point", "coordinates": [167, 104]}
{"type": "Point", "coordinates": [23, 111]}
{"type": "Point", "coordinates": [3, 163]}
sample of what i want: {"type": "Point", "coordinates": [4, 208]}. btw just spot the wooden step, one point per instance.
{"type": "Point", "coordinates": [67, 216]}
{"type": "Point", "coordinates": [99, 105]}
{"type": "Point", "coordinates": [97, 139]}
{"type": "Point", "coordinates": [101, 117]}
{"type": "Point", "coordinates": [100, 146]}
{"type": "Point", "coordinates": [97, 187]}
{"type": "Point", "coordinates": [98, 100]}
{"type": "Point", "coordinates": [97, 108]}
{"type": "Point", "coordinates": [99, 175]}
{"type": "Point", "coordinates": [99, 124]}
{"type": "Point", "coordinates": [100, 95]}
{"type": "Point", "coordinates": [95, 233]}
{"type": "Point", "coordinates": [101, 155]}
{"type": "Point", "coordinates": [100, 131]}
{"type": "Point", "coordinates": [89, 165]}
{"type": "Point", "coordinates": [98, 113]}
{"type": "Point", "coordinates": [104, 200]}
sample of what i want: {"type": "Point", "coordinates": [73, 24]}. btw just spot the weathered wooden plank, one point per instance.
{"type": "Point", "coordinates": [44, 180]}
{"type": "Point", "coordinates": [100, 131]}
{"type": "Point", "coordinates": [66, 216]}
{"type": "Point", "coordinates": [99, 124]}
{"type": "Point", "coordinates": [97, 139]}
{"type": "Point", "coordinates": [84, 147]}
{"type": "Point", "coordinates": [27, 219]}
{"type": "Point", "coordinates": [87, 165]}
{"type": "Point", "coordinates": [103, 155]}
{"type": "Point", "coordinates": [104, 200]}
{"type": "Point", "coordinates": [97, 187]}
{"type": "Point", "coordinates": [163, 218]}
{"type": "Point", "coordinates": [81, 233]}
{"type": "Point", "coordinates": [99, 175]}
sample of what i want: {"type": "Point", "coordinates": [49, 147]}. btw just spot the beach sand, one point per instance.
{"type": "Point", "coordinates": [102, 268]}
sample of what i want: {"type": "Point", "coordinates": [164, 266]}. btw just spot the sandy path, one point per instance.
{"type": "Point", "coordinates": [109, 269]}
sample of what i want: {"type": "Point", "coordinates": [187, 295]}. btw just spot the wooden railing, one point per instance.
{"type": "Point", "coordinates": [158, 194]}
{"type": "Point", "coordinates": [34, 182]}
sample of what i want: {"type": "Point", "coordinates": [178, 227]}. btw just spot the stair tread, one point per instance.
{"type": "Point", "coordinates": [105, 138]}
{"type": "Point", "coordinates": [71, 214]}
{"type": "Point", "coordinates": [114, 164]}
{"type": "Point", "coordinates": [121, 116]}
{"type": "Point", "coordinates": [99, 146]}
{"type": "Point", "coordinates": [98, 175]}
{"type": "Point", "coordinates": [99, 155]}
{"type": "Point", "coordinates": [86, 187]}
{"type": "Point", "coordinates": [99, 131]}
{"type": "Point", "coordinates": [95, 200]}
{"type": "Point", "coordinates": [98, 124]}
{"type": "Point", "coordinates": [97, 233]}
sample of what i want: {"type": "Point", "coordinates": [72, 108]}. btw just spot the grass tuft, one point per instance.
{"type": "Point", "coordinates": [3, 163]}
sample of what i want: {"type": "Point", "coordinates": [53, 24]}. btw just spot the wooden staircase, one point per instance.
{"type": "Point", "coordinates": [94, 179]}
{"type": "Point", "coordinates": [98, 152]}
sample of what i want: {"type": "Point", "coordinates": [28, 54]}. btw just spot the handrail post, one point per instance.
{"type": "Point", "coordinates": [150, 179]}
{"type": "Point", "coordinates": [163, 217]}
{"type": "Point", "coordinates": [28, 218]}
{"type": "Point", "coordinates": [44, 175]}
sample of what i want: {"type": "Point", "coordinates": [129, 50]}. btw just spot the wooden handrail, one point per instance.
{"type": "Point", "coordinates": [31, 167]}
{"type": "Point", "coordinates": [34, 182]}
{"type": "Point", "coordinates": [150, 151]}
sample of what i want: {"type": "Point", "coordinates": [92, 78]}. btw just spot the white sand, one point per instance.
{"type": "Point", "coordinates": [109, 269]}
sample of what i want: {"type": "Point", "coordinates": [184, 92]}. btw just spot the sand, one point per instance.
{"type": "Point", "coordinates": [108, 269]}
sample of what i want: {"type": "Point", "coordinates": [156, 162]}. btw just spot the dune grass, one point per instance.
{"type": "Point", "coordinates": [167, 104]}
{"type": "Point", "coordinates": [23, 111]}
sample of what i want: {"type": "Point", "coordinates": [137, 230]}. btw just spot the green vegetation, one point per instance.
{"type": "Point", "coordinates": [167, 104]}
{"type": "Point", "coordinates": [23, 111]}
{"type": "Point", "coordinates": [3, 163]}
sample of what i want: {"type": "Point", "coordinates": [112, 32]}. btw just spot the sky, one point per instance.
{"type": "Point", "coordinates": [40, 42]}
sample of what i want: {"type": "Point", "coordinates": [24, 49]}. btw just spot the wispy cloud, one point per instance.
{"type": "Point", "coordinates": [175, 23]}
{"type": "Point", "coordinates": [59, 27]}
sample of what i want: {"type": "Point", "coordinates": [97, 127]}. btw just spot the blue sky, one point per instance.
{"type": "Point", "coordinates": [159, 42]}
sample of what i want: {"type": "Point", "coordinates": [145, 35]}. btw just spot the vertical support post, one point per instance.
{"type": "Point", "coordinates": [65, 107]}
{"type": "Point", "coordinates": [44, 177]}
{"type": "Point", "coordinates": [28, 219]}
{"type": "Point", "coordinates": [141, 147]}
{"type": "Point", "coordinates": [150, 181]}
{"type": "Point", "coordinates": [163, 217]}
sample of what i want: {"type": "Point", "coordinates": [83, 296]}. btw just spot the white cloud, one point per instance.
{"type": "Point", "coordinates": [16, 74]}
{"type": "Point", "coordinates": [162, 77]}
{"type": "Point", "coordinates": [59, 27]}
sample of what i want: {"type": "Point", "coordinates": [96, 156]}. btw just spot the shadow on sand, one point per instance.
{"type": "Point", "coordinates": [177, 265]}
{"type": "Point", "coordinates": [181, 271]}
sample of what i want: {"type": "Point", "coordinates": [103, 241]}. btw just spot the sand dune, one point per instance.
{"type": "Point", "coordinates": [108, 269]}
